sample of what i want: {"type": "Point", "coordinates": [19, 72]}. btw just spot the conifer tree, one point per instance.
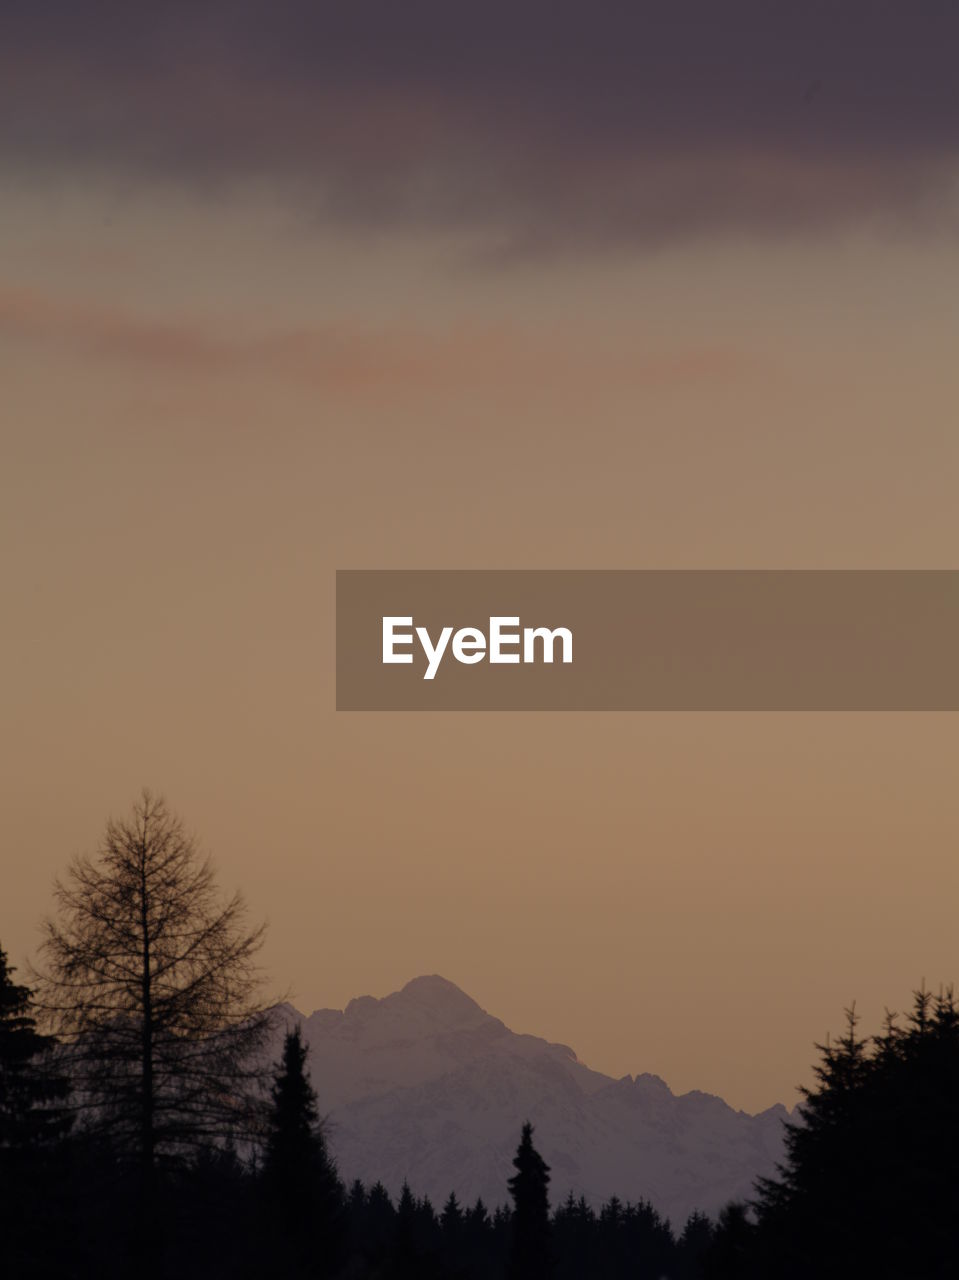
{"type": "Point", "coordinates": [574, 1236]}
{"type": "Point", "coordinates": [870, 1180]}
{"type": "Point", "coordinates": [478, 1238]}
{"type": "Point", "coordinates": [531, 1248]}
{"type": "Point", "coordinates": [405, 1252]}
{"type": "Point", "coordinates": [31, 1090]}
{"type": "Point", "coordinates": [301, 1183]}
{"type": "Point", "coordinates": [451, 1229]}
{"type": "Point", "coordinates": [479, 1214]}
{"type": "Point", "coordinates": [380, 1218]}
{"type": "Point", "coordinates": [452, 1216]}
{"type": "Point", "coordinates": [694, 1245]}
{"type": "Point", "coordinates": [732, 1251]}
{"type": "Point", "coordinates": [33, 1120]}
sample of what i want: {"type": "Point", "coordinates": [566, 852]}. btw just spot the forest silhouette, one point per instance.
{"type": "Point", "coordinates": [144, 1130]}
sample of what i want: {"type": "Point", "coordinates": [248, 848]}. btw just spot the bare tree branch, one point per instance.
{"type": "Point", "coordinates": [149, 979]}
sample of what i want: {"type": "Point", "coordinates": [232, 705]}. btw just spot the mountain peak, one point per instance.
{"type": "Point", "coordinates": [430, 996]}
{"type": "Point", "coordinates": [439, 996]}
{"type": "Point", "coordinates": [435, 988]}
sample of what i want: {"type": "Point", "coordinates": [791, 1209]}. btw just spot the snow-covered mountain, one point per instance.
{"type": "Point", "coordinates": [424, 1085]}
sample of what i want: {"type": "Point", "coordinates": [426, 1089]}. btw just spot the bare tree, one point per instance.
{"type": "Point", "coordinates": [150, 981]}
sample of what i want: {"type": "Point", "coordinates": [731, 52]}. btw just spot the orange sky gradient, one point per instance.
{"type": "Point", "coordinates": [212, 399]}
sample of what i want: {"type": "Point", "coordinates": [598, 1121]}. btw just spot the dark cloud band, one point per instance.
{"type": "Point", "coordinates": [546, 124]}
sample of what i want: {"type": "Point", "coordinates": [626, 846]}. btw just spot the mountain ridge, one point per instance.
{"type": "Point", "coordinates": [424, 1085]}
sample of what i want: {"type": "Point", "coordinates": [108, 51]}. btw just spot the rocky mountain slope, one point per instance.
{"type": "Point", "coordinates": [424, 1085]}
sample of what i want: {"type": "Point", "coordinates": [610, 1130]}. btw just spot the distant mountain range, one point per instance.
{"type": "Point", "coordinates": [425, 1086]}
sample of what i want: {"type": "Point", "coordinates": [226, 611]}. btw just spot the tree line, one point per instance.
{"type": "Point", "coordinates": [145, 1132]}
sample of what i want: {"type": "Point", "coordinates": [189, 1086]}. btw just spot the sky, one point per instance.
{"type": "Point", "coordinates": [295, 287]}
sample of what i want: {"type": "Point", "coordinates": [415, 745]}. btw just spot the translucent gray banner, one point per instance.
{"type": "Point", "coordinates": [647, 640]}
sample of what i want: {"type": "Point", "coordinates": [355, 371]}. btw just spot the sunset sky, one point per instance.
{"type": "Point", "coordinates": [292, 287]}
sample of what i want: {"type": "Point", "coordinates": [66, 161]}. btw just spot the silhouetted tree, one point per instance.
{"type": "Point", "coordinates": [32, 1121]}
{"type": "Point", "coordinates": [732, 1251]}
{"type": "Point", "coordinates": [870, 1183]}
{"type": "Point", "coordinates": [694, 1245]}
{"type": "Point", "coordinates": [304, 1193]}
{"type": "Point", "coordinates": [451, 1224]}
{"type": "Point", "coordinates": [479, 1241]}
{"type": "Point", "coordinates": [380, 1221]}
{"type": "Point", "coordinates": [531, 1247]}
{"type": "Point", "coordinates": [32, 1091]}
{"type": "Point", "coordinates": [405, 1252]}
{"type": "Point", "coordinates": [356, 1208]}
{"type": "Point", "coordinates": [149, 980]}
{"type": "Point", "coordinates": [574, 1237]}
{"type": "Point", "coordinates": [649, 1241]}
